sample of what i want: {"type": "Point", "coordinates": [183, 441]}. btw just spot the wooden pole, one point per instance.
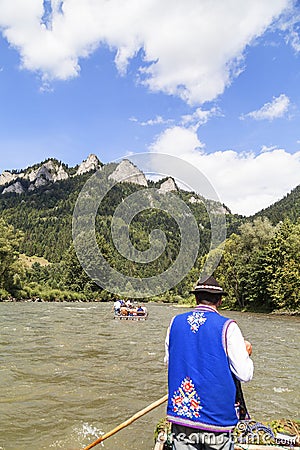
{"type": "Point", "coordinates": [128, 421]}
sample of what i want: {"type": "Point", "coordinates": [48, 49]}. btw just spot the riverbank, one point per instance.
{"type": "Point", "coordinates": [283, 312]}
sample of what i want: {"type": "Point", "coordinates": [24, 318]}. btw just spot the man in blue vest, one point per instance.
{"type": "Point", "coordinates": [205, 353]}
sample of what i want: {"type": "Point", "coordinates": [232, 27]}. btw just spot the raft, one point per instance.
{"type": "Point", "coordinates": [131, 313]}
{"type": "Point", "coordinates": [131, 317]}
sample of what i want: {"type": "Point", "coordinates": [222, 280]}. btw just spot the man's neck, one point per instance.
{"type": "Point", "coordinates": [211, 305]}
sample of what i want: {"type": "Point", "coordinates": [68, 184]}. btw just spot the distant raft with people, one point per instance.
{"type": "Point", "coordinates": [128, 311]}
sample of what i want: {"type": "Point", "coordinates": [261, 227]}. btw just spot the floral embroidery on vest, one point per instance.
{"type": "Point", "coordinates": [186, 401]}
{"type": "Point", "coordinates": [196, 319]}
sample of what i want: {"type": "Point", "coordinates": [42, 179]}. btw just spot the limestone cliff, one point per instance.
{"type": "Point", "coordinates": [168, 185]}
{"type": "Point", "coordinates": [127, 172]}
{"type": "Point", "coordinates": [43, 174]}
{"type": "Point", "coordinates": [91, 163]}
{"type": "Point", "coordinates": [16, 188]}
{"type": "Point", "coordinates": [7, 177]}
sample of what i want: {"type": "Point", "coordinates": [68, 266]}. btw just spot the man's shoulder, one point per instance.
{"type": "Point", "coordinates": [186, 313]}
{"type": "Point", "coordinates": [180, 317]}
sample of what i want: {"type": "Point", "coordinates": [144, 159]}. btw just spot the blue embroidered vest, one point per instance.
{"type": "Point", "coordinates": [201, 387]}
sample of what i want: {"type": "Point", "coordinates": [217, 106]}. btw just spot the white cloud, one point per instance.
{"type": "Point", "coordinates": [290, 26]}
{"type": "Point", "coordinates": [246, 183]}
{"type": "Point", "coordinates": [193, 121]}
{"type": "Point", "coordinates": [192, 48]}
{"type": "Point", "coordinates": [176, 141]}
{"type": "Point", "coordinates": [199, 117]}
{"type": "Point", "coordinates": [272, 110]}
{"type": "Point", "coordinates": [158, 120]}
{"type": "Point", "coordinates": [266, 148]}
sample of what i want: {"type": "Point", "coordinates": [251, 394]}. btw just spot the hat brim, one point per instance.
{"type": "Point", "coordinates": [210, 291]}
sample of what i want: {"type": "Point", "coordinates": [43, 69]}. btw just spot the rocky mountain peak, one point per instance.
{"type": "Point", "coordinates": [38, 175]}
{"type": "Point", "coordinates": [50, 171]}
{"type": "Point", "coordinates": [15, 187]}
{"type": "Point", "coordinates": [91, 163]}
{"type": "Point", "coordinates": [7, 177]}
{"type": "Point", "coordinates": [127, 172]}
{"type": "Point", "coordinates": [168, 185]}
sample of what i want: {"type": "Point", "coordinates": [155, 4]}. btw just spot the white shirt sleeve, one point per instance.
{"type": "Point", "coordinates": [240, 362]}
{"type": "Point", "coordinates": [166, 358]}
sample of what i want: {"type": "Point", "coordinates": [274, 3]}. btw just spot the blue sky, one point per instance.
{"type": "Point", "coordinates": [213, 82]}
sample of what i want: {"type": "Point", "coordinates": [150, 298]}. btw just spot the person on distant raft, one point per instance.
{"type": "Point", "coordinates": [141, 311]}
{"type": "Point", "coordinates": [117, 306]}
{"type": "Point", "coordinates": [206, 353]}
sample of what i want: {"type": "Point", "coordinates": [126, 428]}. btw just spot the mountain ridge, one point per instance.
{"type": "Point", "coordinates": [43, 213]}
{"type": "Point", "coordinates": [51, 171]}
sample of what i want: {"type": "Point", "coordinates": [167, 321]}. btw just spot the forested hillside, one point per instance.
{"type": "Point", "coordinates": [260, 267]}
{"type": "Point", "coordinates": [286, 208]}
{"type": "Point", "coordinates": [260, 264]}
{"type": "Point", "coordinates": [42, 221]}
{"type": "Point", "coordinates": [44, 217]}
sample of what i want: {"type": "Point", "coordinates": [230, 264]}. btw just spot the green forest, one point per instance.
{"type": "Point", "coordinates": [259, 266]}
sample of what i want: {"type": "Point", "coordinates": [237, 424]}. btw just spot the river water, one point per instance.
{"type": "Point", "coordinates": [69, 372]}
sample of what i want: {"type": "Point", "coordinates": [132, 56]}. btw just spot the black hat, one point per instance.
{"type": "Point", "coordinates": [210, 285]}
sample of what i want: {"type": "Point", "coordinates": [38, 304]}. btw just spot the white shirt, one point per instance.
{"type": "Point", "coordinates": [117, 304]}
{"type": "Point", "coordinates": [240, 362]}
{"type": "Point", "coordinates": [241, 365]}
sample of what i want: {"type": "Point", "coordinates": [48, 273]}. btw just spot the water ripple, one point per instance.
{"type": "Point", "coordinates": [69, 373]}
